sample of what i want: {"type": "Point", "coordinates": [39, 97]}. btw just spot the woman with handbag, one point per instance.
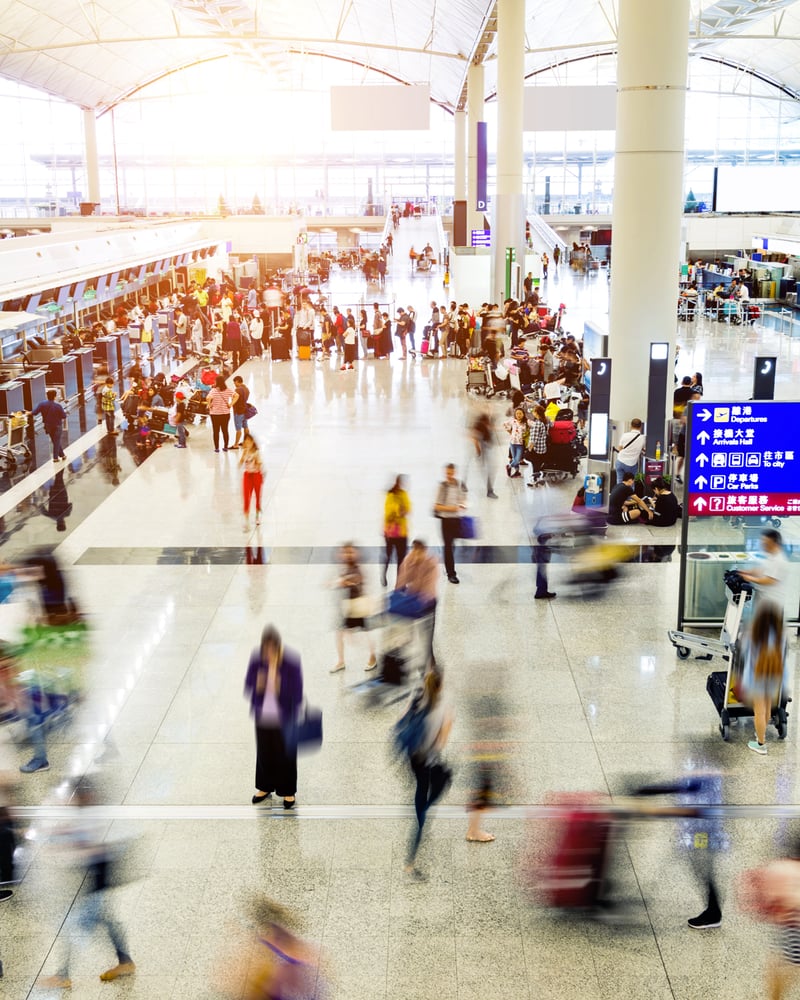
{"type": "Point", "coordinates": [274, 685]}
{"type": "Point", "coordinates": [353, 608]}
{"type": "Point", "coordinates": [396, 509]}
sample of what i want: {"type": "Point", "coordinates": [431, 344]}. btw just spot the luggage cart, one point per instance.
{"type": "Point", "coordinates": [722, 685]}
{"type": "Point", "coordinates": [477, 379]}
{"type": "Point", "coordinates": [14, 449]}
{"type": "Point", "coordinates": [739, 593]}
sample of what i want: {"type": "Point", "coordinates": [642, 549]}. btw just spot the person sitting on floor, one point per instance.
{"type": "Point", "coordinates": [624, 506]}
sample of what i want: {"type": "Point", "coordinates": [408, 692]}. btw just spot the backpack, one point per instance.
{"type": "Point", "coordinates": [412, 326]}
{"type": "Point", "coordinates": [409, 730]}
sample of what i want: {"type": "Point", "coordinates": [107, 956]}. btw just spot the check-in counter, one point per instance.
{"type": "Point", "coordinates": [105, 354]}
{"type": "Point", "coordinates": [84, 360]}
{"type": "Point", "coordinates": [11, 398]}
{"type": "Point", "coordinates": [63, 372]}
{"type": "Point", "coordinates": [34, 387]}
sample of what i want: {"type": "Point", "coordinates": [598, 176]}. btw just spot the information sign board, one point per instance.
{"type": "Point", "coordinates": [481, 237]}
{"type": "Point", "coordinates": [744, 458]}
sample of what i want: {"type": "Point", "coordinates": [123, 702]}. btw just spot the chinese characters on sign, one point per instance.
{"type": "Point", "coordinates": [742, 459]}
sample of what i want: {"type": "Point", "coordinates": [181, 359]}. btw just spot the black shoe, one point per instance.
{"type": "Point", "coordinates": [491, 494]}
{"type": "Point", "coordinates": [5, 894]}
{"type": "Point", "coordinates": [543, 597]}
{"type": "Point", "coordinates": [453, 578]}
{"type": "Point", "coordinates": [261, 798]}
{"type": "Point", "coordinates": [289, 805]}
{"type": "Point", "coordinates": [707, 920]}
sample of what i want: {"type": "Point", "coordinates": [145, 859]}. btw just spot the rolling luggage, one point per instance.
{"type": "Point", "coordinates": [563, 431]}
{"type": "Point", "coordinates": [424, 347]}
{"type": "Point", "coordinates": [278, 349]}
{"type": "Point", "coordinates": [304, 352]}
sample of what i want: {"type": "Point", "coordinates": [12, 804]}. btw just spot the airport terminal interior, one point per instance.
{"type": "Point", "coordinates": [579, 698]}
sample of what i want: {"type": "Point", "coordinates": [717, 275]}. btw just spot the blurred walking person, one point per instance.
{"type": "Point", "coordinates": [429, 720]}
{"type": "Point", "coordinates": [84, 838]}
{"type": "Point", "coordinates": [252, 477]}
{"type": "Point", "coordinates": [353, 606]}
{"type": "Point", "coordinates": [396, 509]}
{"type": "Point", "coordinates": [274, 685]}
{"type": "Point", "coordinates": [764, 669]}
{"type": "Point", "coordinates": [481, 434]}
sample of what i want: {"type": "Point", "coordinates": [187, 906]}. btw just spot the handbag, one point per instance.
{"type": "Point", "coordinates": [469, 527]}
{"type": "Point", "coordinates": [304, 730]}
{"type": "Point", "coordinates": [360, 607]}
{"type": "Point", "coordinates": [250, 411]}
{"type": "Point", "coordinates": [405, 604]}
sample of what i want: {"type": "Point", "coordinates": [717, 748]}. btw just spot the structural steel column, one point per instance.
{"type": "Point", "coordinates": [508, 228]}
{"type": "Point", "coordinates": [90, 157]}
{"type": "Point", "coordinates": [653, 42]}
{"type": "Point", "coordinates": [475, 85]}
{"type": "Point", "coordinates": [460, 156]}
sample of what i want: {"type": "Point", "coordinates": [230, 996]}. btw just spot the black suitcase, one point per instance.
{"type": "Point", "coordinates": [717, 687]}
{"type": "Point", "coordinates": [157, 419]}
{"type": "Point", "coordinates": [278, 349]}
{"type": "Point", "coordinates": [393, 668]}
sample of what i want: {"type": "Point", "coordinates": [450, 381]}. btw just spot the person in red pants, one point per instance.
{"type": "Point", "coordinates": [253, 478]}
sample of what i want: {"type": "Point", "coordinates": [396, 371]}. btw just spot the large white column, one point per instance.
{"type": "Point", "coordinates": [475, 85]}
{"type": "Point", "coordinates": [653, 42]}
{"type": "Point", "coordinates": [508, 226]}
{"type": "Point", "coordinates": [460, 156]}
{"type": "Point", "coordinates": [90, 157]}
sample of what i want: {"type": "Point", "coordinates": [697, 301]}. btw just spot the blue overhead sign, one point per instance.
{"type": "Point", "coordinates": [744, 458]}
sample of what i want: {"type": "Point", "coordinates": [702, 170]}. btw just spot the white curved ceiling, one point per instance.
{"type": "Point", "coordinates": [95, 53]}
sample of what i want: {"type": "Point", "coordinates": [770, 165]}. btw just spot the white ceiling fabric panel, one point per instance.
{"type": "Point", "coordinates": [94, 54]}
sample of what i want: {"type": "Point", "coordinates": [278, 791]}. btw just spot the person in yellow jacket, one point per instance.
{"type": "Point", "coordinates": [395, 525]}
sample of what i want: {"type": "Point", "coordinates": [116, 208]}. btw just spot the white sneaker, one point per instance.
{"type": "Point", "coordinates": [246, 526]}
{"type": "Point", "coordinates": [258, 519]}
{"type": "Point", "coordinates": [757, 747]}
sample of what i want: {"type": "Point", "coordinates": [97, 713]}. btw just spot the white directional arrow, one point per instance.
{"type": "Point", "coordinates": [705, 415]}
{"type": "Point", "coordinates": [700, 504]}
{"type": "Point", "coordinates": [702, 459]}
{"type": "Point", "coordinates": [703, 437]}
{"type": "Point", "coordinates": [700, 482]}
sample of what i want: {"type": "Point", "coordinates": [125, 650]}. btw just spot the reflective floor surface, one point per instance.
{"type": "Point", "coordinates": [576, 694]}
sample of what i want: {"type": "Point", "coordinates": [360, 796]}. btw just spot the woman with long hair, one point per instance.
{"type": "Point", "coordinates": [274, 685]}
{"type": "Point", "coordinates": [764, 665]}
{"type": "Point", "coordinates": [396, 509]}
{"type": "Point", "coordinates": [219, 409]}
{"type": "Point", "coordinates": [252, 478]}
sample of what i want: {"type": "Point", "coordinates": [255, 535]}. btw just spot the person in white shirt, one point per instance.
{"type": "Point", "coordinates": [629, 450]}
{"type": "Point", "coordinates": [256, 333]}
{"type": "Point", "coordinates": [771, 577]}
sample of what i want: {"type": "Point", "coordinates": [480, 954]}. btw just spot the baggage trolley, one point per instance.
{"type": "Point", "coordinates": [739, 593]}
{"type": "Point", "coordinates": [722, 685]}
{"type": "Point", "coordinates": [477, 378]}
{"type": "Point", "coordinates": [15, 449]}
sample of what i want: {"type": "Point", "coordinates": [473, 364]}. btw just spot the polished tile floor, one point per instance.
{"type": "Point", "coordinates": [572, 695]}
